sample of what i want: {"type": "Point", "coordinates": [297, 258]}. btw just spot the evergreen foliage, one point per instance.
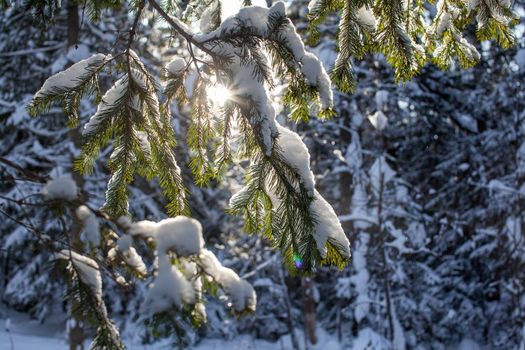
{"type": "Point", "coordinates": [130, 114]}
{"type": "Point", "coordinates": [400, 31]}
{"type": "Point", "coordinates": [441, 240]}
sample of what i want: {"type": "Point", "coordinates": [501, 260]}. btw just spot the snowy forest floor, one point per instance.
{"type": "Point", "coordinates": [28, 334]}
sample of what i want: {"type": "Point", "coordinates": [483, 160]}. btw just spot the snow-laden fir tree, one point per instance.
{"type": "Point", "coordinates": [242, 54]}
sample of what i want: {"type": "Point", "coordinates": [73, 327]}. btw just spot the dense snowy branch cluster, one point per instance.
{"type": "Point", "coordinates": [175, 285]}
{"type": "Point", "coordinates": [409, 35]}
{"type": "Point", "coordinates": [239, 54]}
{"type": "Point", "coordinates": [426, 178]}
{"type": "Point", "coordinates": [182, 265]}
{"type": "Point", "coordinates": [297, 218]}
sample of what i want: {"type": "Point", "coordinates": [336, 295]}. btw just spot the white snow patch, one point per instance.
{"type": "Point", "coordinates": [380, 171]}
{"type": "Point", "coordinates": [316, 75]}
{"type": "Point", "coordinates": [379, 120]}
{"type": "Point", "coordinates": [170, 288]}
{"type": "Point", "coordinates": [143, 141]}
{"type": "Point", "coordinates": [366, 17]}
{"type": "Point", "coordinates": [91, 231]}
{"type": "Point", "coordinates": [70, 78]}
{"type": "Point", "coordinates": [241, 292]}
{"type": "Point", "coordinates": [296, 154]}
{"type": "Point", "coordinates": [181, 234]}
{"type": "Point", "coordinates": [176, 66]}
{"type": "Point", "coordinates": [143, 228]}
{"type": "Point", "coordinates": [87, 270]}
{"type": "Point", "coordinates": [62, 187]}
{"type": "Point", "coordinates": [362, 276]}
{"type": "Point", "coordinates": [134, 260]}
{"type": "Point", "coordinates": [328, 227]}
{"type": "Point", "coordinates": [108, 101]}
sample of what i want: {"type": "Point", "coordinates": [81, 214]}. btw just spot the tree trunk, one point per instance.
{"type": "Point", "coordinates": [291, 327]}
{"type": "Point", "coordinates": [73, 23]}
{"type": "Point", "coordinates": [345, 178]}
{"type": "Point", "coordinates": [309, 310]}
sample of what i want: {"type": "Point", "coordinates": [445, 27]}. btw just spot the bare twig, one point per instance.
{"type": "Point", "coordinates": [30, 51]}
{"type": "Point", "coordinates": [29, 175]}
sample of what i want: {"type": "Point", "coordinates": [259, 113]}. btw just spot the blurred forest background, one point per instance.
{"type": "Point", "coordinates": [448, 146]}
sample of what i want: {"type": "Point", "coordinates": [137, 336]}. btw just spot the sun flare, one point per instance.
{"type": "Point", "coordinates": [219, 95]}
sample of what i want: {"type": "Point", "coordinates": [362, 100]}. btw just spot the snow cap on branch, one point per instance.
{"type": "Point", "coordinates": [328, 228]}
{"type": "Point", "coordinates": [109, 100]}
{"type": "Point", "coordinates": [62, 187]}
{"type": "Point", "coordinates": [181, 234]}
{"type": "Point", "coordinates": [170, 288]}
{"type": "Point", "coordinates": [87, 269]}
{"type": "Point", "coordinates": [176, 66]}
{"type": "Point", "coordinates": [91, 231]}
{"type": "Point", "coordinates": [241, 292]}
{"type": "Point", "coordinates": [72, 77]}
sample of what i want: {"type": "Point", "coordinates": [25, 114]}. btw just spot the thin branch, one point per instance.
{"type": "Point", "coordinates": [21, 202]}
{"type": "Point", "coordinates": [30, 51]}
{"type": "Point", "coordinates": [29, 175]}
{"type": "Point", "coordinates": [19, 222]}
{"type": "Point", "coordinates": [179, 29]}
{"type": "Point", "coordinates": [131, 37]}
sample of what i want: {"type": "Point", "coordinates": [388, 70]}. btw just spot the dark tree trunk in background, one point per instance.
{"type": "Point", "coordinates": [345, 178]}
{"type": "Point", "coordinates": [73, 36]}
{"type": "Point", "coordinates": [76, 333]}
{"type": "Point", "coordinates": [288, 303]}
{"type": "Point", "coordinates": [309, 310]}
{"type": "Point", "coordinates": [73, 23]}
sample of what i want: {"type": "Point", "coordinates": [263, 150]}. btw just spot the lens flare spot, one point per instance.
{"type": "Point", "coordinates": [298, 261]}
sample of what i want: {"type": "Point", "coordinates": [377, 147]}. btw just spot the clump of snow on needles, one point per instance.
{"type": "Point", "coordinates": [87, 270]}
{"type": "Point", "coordinates": [296, 154]}
{"type": "Point", "coordinates": [108, 101]}
{"type": "Point", "coordinates": [130, 255]}
{"type": "Point", "coordinates": [183, 237]}
{"type": "Point", "coordinates": [327, 228]}
{"type": "Point", "coordinates": [62, 187]}
{"type": "Point", "coordinates": [181, 234]}
{"type": "Point", "coordinates": [241, 292]}
{"type": "Point", "coordinates": [170, 288]}
{"type": "Point", "coordinates": [91, 231]}
{"type": "Point", "coordinates": [71, 77]}
{"type": "Point", "coordinates": [176, 66]}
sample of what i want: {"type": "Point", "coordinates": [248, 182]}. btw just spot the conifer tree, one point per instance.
{"type": "Point", "coordinates": [241, 55]}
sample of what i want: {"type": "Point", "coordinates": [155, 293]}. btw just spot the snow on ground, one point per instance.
{"type": "Point", "coordinates": [40, 341]}
{"type": "Point", "coordinates": [29, 334]}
